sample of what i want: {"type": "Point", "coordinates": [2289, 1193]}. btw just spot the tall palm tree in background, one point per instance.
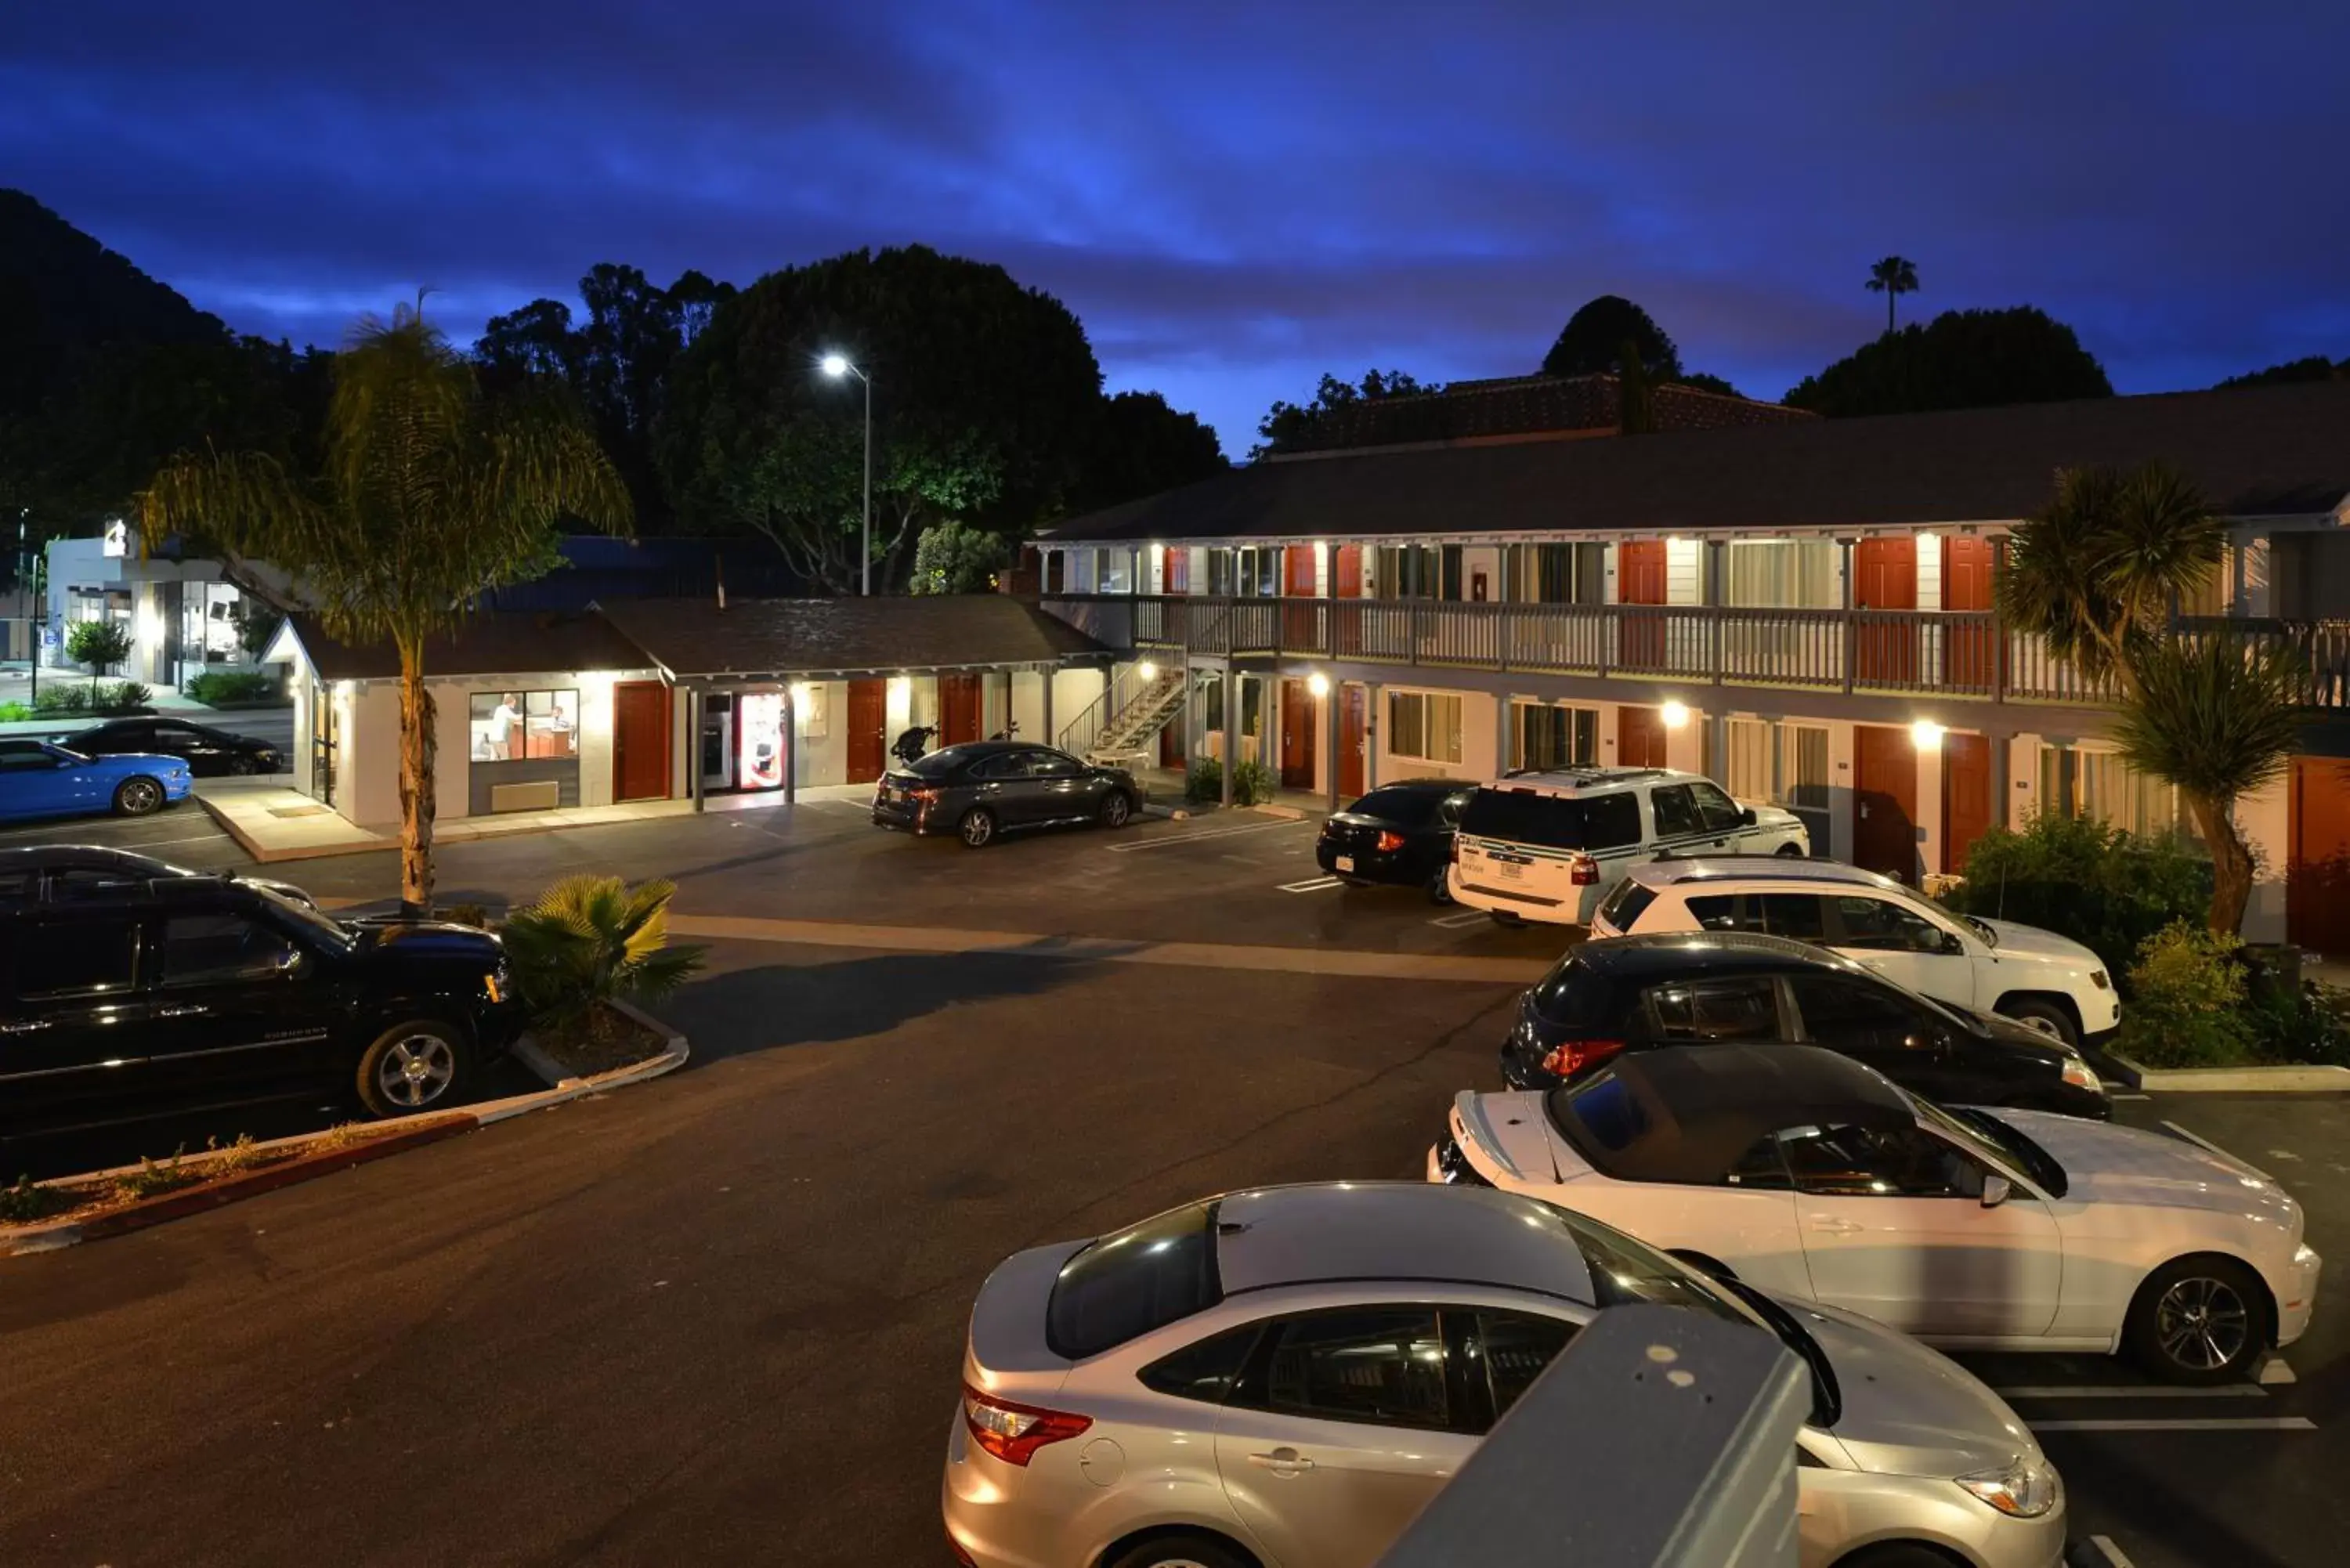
{"type": "Point", "coordinates": [2095, 576]}
{"type": "Point", "coordinates": [1893, 277]}
{"type": "Point", "coordinates": [433, 495]}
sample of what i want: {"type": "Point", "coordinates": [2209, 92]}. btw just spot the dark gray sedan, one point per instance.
{"type": "Point", "coordinates": [983, 788]}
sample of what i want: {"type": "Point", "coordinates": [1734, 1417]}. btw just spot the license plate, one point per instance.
{"type": "Point", "coordinates": [1510, 870]}
{"type": "Point", "coordinates": [1344, 863]}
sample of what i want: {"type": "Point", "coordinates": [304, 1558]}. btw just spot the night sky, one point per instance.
{"type": "Point", "coordinates": [1237, 197]}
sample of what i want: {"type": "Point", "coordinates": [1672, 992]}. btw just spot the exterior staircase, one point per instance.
{"type": "Point", "coordinates": [1122, 721]}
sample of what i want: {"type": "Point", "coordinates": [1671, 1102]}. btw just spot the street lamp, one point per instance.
{"type": "Point", "coordinates": [836, 366]}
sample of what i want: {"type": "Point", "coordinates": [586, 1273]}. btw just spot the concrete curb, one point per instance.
{"type": "Point", "coordinates": [2292, 1079]}
{"type": "Point", "coordinates": [1286, 813]}
{"type": "Point", "coordinates": [53, 1235]}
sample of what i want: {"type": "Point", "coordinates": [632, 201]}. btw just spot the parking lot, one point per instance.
{"type": "Point", "coordinates": [720, 1318]}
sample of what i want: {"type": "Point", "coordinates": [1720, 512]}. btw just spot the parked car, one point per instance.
{"type": "Point", "coordinates": [1616, 994]}
{"type": "Point", "coordinates": [1288, 1375]}
{"type": "Point", "coordinates": [67, 873]}
{"type": "Point", "coordinates": [1400, 834]}
{"type": "Point", "coordinates": [209, 752]}
{"type": "Point", "coordinates": [1806, 1174]}
{"type": "Point", "coordinates": [2041, 980]}
{"type": "Point", "coordinates": [41, 778]}
{"type": "Point", "coordinates": [162, 995]}
{"type": "Point", "coordinates": [1549, 846]}
{"type": "Point", "coordinates": [983, 788]}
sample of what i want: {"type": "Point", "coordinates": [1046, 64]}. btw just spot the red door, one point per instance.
{"type": "Point", "coordinates": [1639, 737]}
{"type": "Point", "coordinates": [868, 716]}
{"type": "Point", "coordinates": [958, 708]}
{"type": "Point", "coordinates": [1966, 796]}
{"type": "Point", "coordinates": [1346, 582]}
{"type": "Point", "coordinates": [1301, 623]}
{"type": "Point", "coordinates": [1353, 706]}
{"type": "Point", "coordinates": [1176, 575]}
{"type": "Point", "coordinates": [2317, 873]}
{"type": "Point", "coordinates": [1885, 577]}
{"type": "Point", "coordinates": [1296, 735]}
{"type": "Point", "coordinates": [1885, 801]}
{"type": "Point", "coordinates": [1347, 572]}
{"type": "Point", "coordinates": [1640, 580]}
{"type": "Point", "coordinates": [640, 740]}
{"type": "Point", "coordinates": [1967, 648]}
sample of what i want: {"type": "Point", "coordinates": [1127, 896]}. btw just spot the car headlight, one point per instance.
{"type": "Point", "coordinates": [2081, 1076]}
{"type": "Point", "coordinates": [2023, 1489]}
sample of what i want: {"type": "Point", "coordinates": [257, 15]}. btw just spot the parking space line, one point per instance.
{"type": "Point", "coordinates": [2117, 1391]}
{"type": "Point", "coordinates": [1164, 840]}
{"type": "Point", "coordinates": [2235, 1424]}
{"type": "Point", "coordinates": [2201, 1142]}
{"type": "Point", "coordinates": [1314, 884]}
{"type": "Point", "coordinates": [1454, 923]}
{"type": "Point", "coordinates": [2114, 1555]}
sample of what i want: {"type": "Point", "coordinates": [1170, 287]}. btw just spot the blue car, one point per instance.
{"type": "Point", "coordinates": [40, 778]}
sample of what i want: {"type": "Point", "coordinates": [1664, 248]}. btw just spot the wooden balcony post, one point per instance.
{"type": "Point", "coordinates": [1851, 632]}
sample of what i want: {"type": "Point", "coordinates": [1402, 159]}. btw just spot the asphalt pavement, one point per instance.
{"type": "Point", "coordinates": [720, 1318]}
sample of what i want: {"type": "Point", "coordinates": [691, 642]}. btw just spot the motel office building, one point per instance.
{"type": "Point", "coordinates": [1802, 611]}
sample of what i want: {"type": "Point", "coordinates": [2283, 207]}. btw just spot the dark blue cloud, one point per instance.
{"type": "Point", "coordinates": [1236, 197]}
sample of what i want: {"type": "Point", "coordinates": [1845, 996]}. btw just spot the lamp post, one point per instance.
{"type": "Point", "coordinates": [836, 366]}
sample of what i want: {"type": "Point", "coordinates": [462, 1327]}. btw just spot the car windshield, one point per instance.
{"type": "Point", "coordinates": [1626, 1272]}
{"type": "Point", "coordinates": [1142, 1278]}
{"type": "Point", "coordinates": [2020, 1151]}
{"type": "Point", "coordinates": [333, 932]}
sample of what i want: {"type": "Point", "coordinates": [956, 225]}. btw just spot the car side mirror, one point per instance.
{"type": "Point", "coordinates": [1746, 815]}
{"type": "Point", "coordinates": [1951, 946]}
{"type": "Point", "coordinates": [1996, 1190]}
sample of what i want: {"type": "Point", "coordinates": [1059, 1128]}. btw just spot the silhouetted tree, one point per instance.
{"type": "Point", "coordinates": [1961, 360]}
{"type": "Point", "coordinates": [1295, 427]}
{"type": "Point", "coordinates": [1893, 277]}
{"type": "Point", "coordinates": [2316, 368]}
{"type": "Point", "coordinates": [1140, 446]}
{"type": "Point", "coordinates": [1593, 342]}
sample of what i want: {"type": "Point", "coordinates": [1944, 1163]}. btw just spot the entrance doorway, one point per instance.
{"type": "Point", "coordinates": [326, 734]}
{"type": "Point", "coordinates": [1885, 801]}
{"type": "Point", "coordinates": [640, 740]}
{"type": "Point", "coordinates": [2317, 870]}
{"type": "Point", "coordinates": [868, 714]}
{"type": "Point", "coordinates": [1354, 747]}
{"type": "Point", "coordinates": [1639, 737]}
{"type": "Point", "coordinates": [1885, 577]}
{"type": "Point", "coordinates": [1296, 735]}
{"type": "Point", "coordinates": [1966, 796]}
{"type": "Point", "coordinates": [718, 741]}
{"type": "Point", "coordinates": [959, 705]}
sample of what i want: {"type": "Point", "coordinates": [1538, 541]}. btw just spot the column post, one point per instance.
{"type": "Point", "coordinates": [1047, 738]}
{"type": "Point", "coordinates": [693, 779]}
{"type": "Point", "coordinates": [791, 745]}
{"type": "Point", "coordinates": [1231, 729]}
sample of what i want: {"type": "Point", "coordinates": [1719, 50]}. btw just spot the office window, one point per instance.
{"type": "Point", "coordinates": [518, 726]}
{"type": "Point", "coordinates": [1424, 725]}
{"type": "Point", "coordinates": [1803, 766]}
{"type": "Point", "coordinates": [1746, 768]}
{"type": "Point", "coordinates": [1546, 736]}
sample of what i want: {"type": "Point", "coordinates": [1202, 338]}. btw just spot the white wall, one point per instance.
{"type": "Point", "coordinates": [823, 752]}
{"type": "Point", "coordinates": [1685, 747]}
{"type": "Point", "coordinates": [1930, 575]}
{"type": "Point", "coordinates": [2265, 821]}
{"type": "Point", "coordinates": [367, 774]}
{"type": "Point", "coordinates": [1840, 801]}
{"type": "Point", "coordinates": [1073, 690]}
{"type": "Point", "coordinates": [1684, 572]}
{"type": "Point", "coordinates": [1929, 819]}
{"type": "Point", "coordinates": [1485, 559]}
{"type": "Point", "coordinates": [2022, 791]}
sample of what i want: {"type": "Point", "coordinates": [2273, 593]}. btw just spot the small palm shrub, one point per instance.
{"type": "Point", "coordinates": [2188, 1001]}
{"type": "Point", "coordinates": [589, 940]}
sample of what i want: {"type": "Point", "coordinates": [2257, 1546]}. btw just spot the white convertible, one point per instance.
{"type": "Point", "coordinates": [1807, 1174]}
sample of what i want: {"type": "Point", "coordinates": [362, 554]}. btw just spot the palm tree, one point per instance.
{"type": "Point", "coordinates": [1893, 277]}
{"type": "Point", "coordinates": [2095, 576]}
{"type": "Point", "coordinates": [433, 495]}
{"type": "Point", "coordinates": [589, 940]}
{"type": "Point", "coordinates": [2219, 721]}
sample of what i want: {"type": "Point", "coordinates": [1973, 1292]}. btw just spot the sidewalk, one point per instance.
{"type": "Point", "coordinates": [273, 822]}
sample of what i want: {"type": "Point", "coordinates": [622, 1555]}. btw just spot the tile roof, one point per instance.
{"type": "Point", "coordinates": [2266, 450]}
{"type": "Point", "coordinates": [1525, 407]}
{"type": "Point", "coordinates": [694, 638]}
{"type": "Point", "coordinates": [490, 642]}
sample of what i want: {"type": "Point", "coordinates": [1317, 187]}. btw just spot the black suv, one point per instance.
{"type": "Point", "coordinates": [1632, 993]}
{"type": "Point", "coordinates": [150, 998]}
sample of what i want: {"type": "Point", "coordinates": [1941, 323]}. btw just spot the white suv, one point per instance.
{"type": "Point", "coordinates": [2037, 978]}
{"type": "Point", "coordinates": [1548, 846]}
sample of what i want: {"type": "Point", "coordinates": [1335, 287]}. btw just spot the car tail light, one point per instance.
{"type": "Point", "coordinates": [1014, 1433]}
{"type": "Point", "coordinates": [1569, 1057]}
{"type": "Point", "coordinates": [1390, 841]}
{"type": "Point", "coordinates": [1582, 871]}
{"type": "Point", "coordinates": [923, 793]}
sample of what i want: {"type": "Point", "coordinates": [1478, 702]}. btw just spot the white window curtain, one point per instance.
{"type": "Point", "coordinates": [1748, 765]}
{"type": "Point", "coordinates": [1803, 766]}
{"type": "Point", "coordinates": [1783, 574]}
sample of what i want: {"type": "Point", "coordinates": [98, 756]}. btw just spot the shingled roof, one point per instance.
{"type": "Point", "coordinates": [490, 642]}
{"type": "Point", "coordinates": [2255, 451]}
{"type": "Point", "coordinates": [694, 639]}
{"type": "Point", "coordinates": [1524, 407]}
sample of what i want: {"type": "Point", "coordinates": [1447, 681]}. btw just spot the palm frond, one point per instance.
{"type": "Point", "coordinates": [2215, 718]}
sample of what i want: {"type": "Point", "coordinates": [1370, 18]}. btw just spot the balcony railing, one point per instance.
{"type": "Point", "coordinates": [1946, 653]}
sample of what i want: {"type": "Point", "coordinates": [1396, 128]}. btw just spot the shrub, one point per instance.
{"type": "Point", "coordinates": [231, 686]}
{"type": "Point", "coordinates": [98, 643]}
{"type": "Point", "coordinates": [589, 940]}
{"type": "Point", "coordinates": [1203, 782]}
{"type": "Point", "coordinates": [119, 696]}
{"type": "Point", "coordinates": [151, 1179]}
{"type": "Point", "coordinates": [2106, 888]}
{"type": "Point", "coordinates": [1252, 784]}
{"type": "Point", "coordinates": [14, 712]}
{"type": "Point", "coordinates": [2188, 1008]}
{"type": "Point", "coordinates": [25, 1203]}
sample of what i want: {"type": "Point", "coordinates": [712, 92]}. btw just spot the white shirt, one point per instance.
{"type": "Point", "coordinates": [502, 724]}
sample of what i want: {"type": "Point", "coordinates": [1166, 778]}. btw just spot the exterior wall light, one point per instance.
{"type": "Point", "coordinates": [1927, 735]}
{"type": "Point", "coordinates": [1318, 684]}
{"type": "Point", "coordinates": [1676, 715]}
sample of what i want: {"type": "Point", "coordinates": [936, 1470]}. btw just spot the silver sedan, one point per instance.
{"type": "Point", "coordinates": [1284, 1377]}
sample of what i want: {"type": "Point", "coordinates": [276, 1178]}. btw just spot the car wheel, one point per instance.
{"type": "Point", "coordinates": [1116, 811]}
{"type": "Point", "coordinates": [1440, 886]}
{"type": "Point", "coordinates": [1789, 851]}
{"type": "Point", "coordinates": [243, 766]}
{"type": "Point", "coordinates": [1180, 1551]}
{"type": "Point", "coordinates": [420, 1064]}
{"type": "Point", "coordinates": [977, 828]}
{"type": "Point", "coordinates": [2198, 1321]}
{"type": "Point", "coordinates": [137, 796]}
{"type": "Point", "coordinates": [2044, 1018]}
{"type": "Point", "coordinates": [1897, 1555]}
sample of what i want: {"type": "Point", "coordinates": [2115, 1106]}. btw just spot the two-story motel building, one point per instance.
{"type": "Point", "coordinates": [1802, 610]}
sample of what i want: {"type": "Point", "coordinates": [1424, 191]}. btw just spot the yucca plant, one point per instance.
{"type": "Point", "coordinates": [588, 940]}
